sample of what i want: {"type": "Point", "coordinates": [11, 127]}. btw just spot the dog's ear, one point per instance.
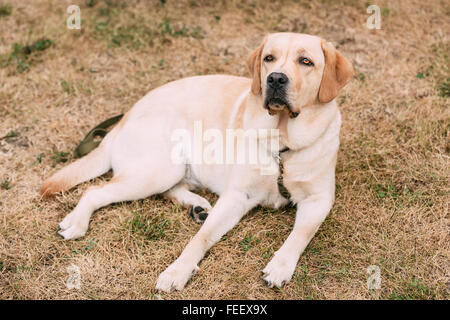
{"type": "Point", "coordinates": [336, 73]}
{"type": "Point", "coordinates": [254, 65]}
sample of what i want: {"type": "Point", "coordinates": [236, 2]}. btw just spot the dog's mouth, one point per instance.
{"type": "Point", "coordinates": [276, 101]}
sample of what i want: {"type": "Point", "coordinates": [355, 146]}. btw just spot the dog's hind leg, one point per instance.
{"type": "Point", "coordinates": [198, 206]}
{"type": "Point", "coordinates": [123, 187]}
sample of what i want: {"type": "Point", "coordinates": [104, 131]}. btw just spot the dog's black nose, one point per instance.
{"type": "Point", "coordinates": [277, 80]}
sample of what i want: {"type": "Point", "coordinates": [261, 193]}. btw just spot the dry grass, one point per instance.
{"type": "Point", "coordinates": [392, 197]}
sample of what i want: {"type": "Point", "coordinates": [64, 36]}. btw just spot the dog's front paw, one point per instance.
{"type": "Point", "coordinates": [279, 270]}
{"type": "Point", "coordinates": [175, 276]}
{"type": "Point", "coordinates": [73, 227]}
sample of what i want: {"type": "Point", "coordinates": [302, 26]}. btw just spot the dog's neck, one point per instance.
{"type": "Point", "coordinates": [300, 132]}
{"type": "Point", "coordinates": [295, 133]}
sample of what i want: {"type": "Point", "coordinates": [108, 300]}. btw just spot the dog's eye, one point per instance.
{"type": "Point", "coordinates": [269, 58]}
{"type": "Point", "coordinates": [306, 62]}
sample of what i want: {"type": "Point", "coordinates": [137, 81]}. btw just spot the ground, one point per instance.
{"type": "Point", "coordinates": [392, 177]}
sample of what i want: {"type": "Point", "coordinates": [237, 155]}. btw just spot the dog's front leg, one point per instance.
{"type": "Point", "coordinates": [311, 212]}
{"type": "Point", "coordinates": [229, 209]}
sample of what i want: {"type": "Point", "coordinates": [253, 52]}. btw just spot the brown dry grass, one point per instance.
{"type": "Point", "coordinates": [392, 197]}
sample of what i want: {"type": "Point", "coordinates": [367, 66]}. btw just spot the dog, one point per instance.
{"type": "Point", "coordinates": [295, 79]}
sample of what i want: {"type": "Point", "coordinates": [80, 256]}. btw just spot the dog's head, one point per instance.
{"type": "Point", "coordinates": [292, 70]}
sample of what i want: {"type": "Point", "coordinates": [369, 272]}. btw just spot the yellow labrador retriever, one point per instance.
{"type": "Point", "coordinates": [295, 80]}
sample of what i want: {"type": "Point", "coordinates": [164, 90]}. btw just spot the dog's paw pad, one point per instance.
{"type": "Point", "coordinates": [198, 213]}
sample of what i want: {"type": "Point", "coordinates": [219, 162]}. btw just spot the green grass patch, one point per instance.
{"type": "Point", "coordinates": [150, 228]}
{"type": "Point", "coordinates": [362, 77]}
{"type": "Point", "coordinates": [413, 290]}
{"type": "Point", "coordinates": [105, 27]}
{"type": "Point", "coordinates": [11, 134]}
{"type": "Point", "coordinates": [91, 244]}
{"type": "Point", "coordinates": [248, 242]}
{"type": "Point", "coordinates": [5, 10]}
{"type": "Point", "coordinates": [60, 156]}
{"type": "Point", "coordinates": [440, 67]}
{"type": "Point", "coordinates": [6, 184]}
{"type": "Point", "coordinates": [91, 3]}
{"type": "Point", "coordinates": [422, 75]}
{"type": "Point", "coordinates": [22, 55]}
{"type": "Point", "coordinates": [402, 195]}
{"type": "Point", "coordinates": [67, 87]}
{"type": "Point", "coordinates": [386, 191]}
{"type": "Point", "coordinates": [166, 29]}
{"type": "Point", "coordinates": [444, 88]}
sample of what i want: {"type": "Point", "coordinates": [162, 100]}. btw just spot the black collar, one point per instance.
{"type": "Point", "coordinates": [281, 188]}
{"type": "Point", "coordinates": [284, 150]}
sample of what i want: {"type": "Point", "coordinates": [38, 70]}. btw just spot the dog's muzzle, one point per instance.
{"type": "Point", "coordinates": [275, 97]}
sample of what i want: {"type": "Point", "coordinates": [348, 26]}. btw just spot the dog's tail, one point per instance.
{"type": "Point", "coordinates": [94, 164]}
